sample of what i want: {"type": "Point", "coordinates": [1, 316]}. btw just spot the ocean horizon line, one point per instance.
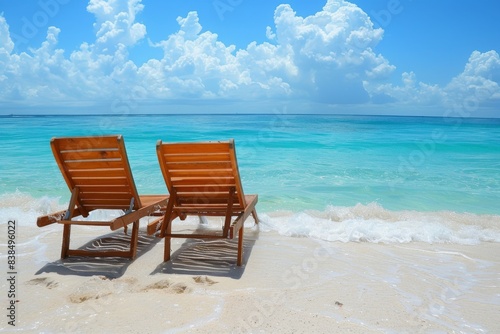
{"type": "Point", "coordinates": [12, 115]}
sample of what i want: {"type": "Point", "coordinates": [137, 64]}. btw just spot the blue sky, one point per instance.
{"type": "Point", "coordinates": [403, 57]}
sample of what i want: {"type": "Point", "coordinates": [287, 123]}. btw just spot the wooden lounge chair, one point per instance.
{"type": "Point", "coordinates": [98, 174]}
{"type": "Point", "coordinates": [203, 180]}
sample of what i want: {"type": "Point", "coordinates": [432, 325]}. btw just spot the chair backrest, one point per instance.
{"type": "Point", "coordinates": [202, 175]}
{"type": "Point", "coordinates": [99, 167]}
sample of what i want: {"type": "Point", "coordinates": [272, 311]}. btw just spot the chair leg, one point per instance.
{"type": "Point", "coordinates": [240, 247]}
{"type": "Point", "coordinates": [168, 238]}
{"type": "Point", "coordinates": [229, 213]}
{"type": "Point", "coordinates": [134, 239]}
{"type": "Point", "coordinates": [65, 241]}
{"type": "Point", "coordinates": [255, 217]}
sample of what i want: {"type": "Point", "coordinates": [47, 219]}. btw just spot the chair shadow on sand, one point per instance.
{"type": "Point", "coordinates": [211, 257]}
{"type": "Point", "coordinates": [109, 267]}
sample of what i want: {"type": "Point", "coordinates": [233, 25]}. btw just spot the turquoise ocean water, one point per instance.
{"type": "Point", "coordinates": [347, 178]}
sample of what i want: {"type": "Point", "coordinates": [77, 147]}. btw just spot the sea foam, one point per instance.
{"type": "Point", "coordinates": [372, 223]}
{"type": "Point", "coordinates": [360, 223]}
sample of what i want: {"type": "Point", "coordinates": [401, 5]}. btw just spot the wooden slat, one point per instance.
{"type": "Point", "coordinates": [100, 181]}
{"type": "Point", "coordinates": [148, 200]}
{"type": "Point", "coordinates": [93, 164]}
{"type": "Point", "coordinates": [204, 188]}
{"type": "Point", "coordinates": [186, 202]}
{"type": "Point", "coordinates": [185, 148]}
{"type": "Point", "coordinates": [82, 252]}
{"type": "Point", "coordinates": [212, 212]}
{"type": "Point", "coordinates": [98, 206]}
{"type": "Point", "coordinates": [84, 222]}
{"type": "Point", "coordinates": [185, 206]}
{"type": "Point", "coordinates": [198, 165]}
{"type": "Point", "coordinates": [221, 173]}
{"type": "Point", "coordinates": [206, 196]}
{"type": "Point", "coordinates": [105, 195]}
{"type": "Point", "coordinates": [85, 143]}
{"type": "Point", "coordinates": [95, 202]}
{"type": "Point", "coordinates": [90, 155]}
{"type": "Point", "coordinates": [202, 181]}
{"type": "Point", "coordinates": [105, 204]}
{"type": "Point", "coordinates": [106, 189]}
{"type": "Point", "coordinates": [197, 157]}
{"type": "Point", "coordinates": [108, 172]}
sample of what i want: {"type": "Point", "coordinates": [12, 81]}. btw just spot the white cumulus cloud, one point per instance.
{"type": "Point", "coordinates": [332, 50]}
{"type": "Point", "coordinates": [478, 85]}
{"type": "Point", "coordinates": [480, 79]}
{"type": "Point", "coordinates": [115, 22]}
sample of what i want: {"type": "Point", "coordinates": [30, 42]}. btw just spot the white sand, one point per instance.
{"type": "Point", "coordinates": [287, 285]}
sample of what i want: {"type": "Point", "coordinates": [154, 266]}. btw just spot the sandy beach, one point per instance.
{"type": "Point", "coordinates": [287, 285]}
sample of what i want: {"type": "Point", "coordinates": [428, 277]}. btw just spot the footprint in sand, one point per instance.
{"type": "Point", "coordinates": [204, 280]}
{"type": "Point", "coordinates": [167, 286]}
{"type": "Point", "coordinates": [95, 288]}
{"type": "Point", "coordinates": [160, 285]}
{"type": "Point", "coordinates": [128, 284]}
{"type": "Point", "coordinates": [180, 288]}
{"type": "Point", "coordinates": [43, 281]}
{"type": "Point", "coordinates": [80, 297]}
